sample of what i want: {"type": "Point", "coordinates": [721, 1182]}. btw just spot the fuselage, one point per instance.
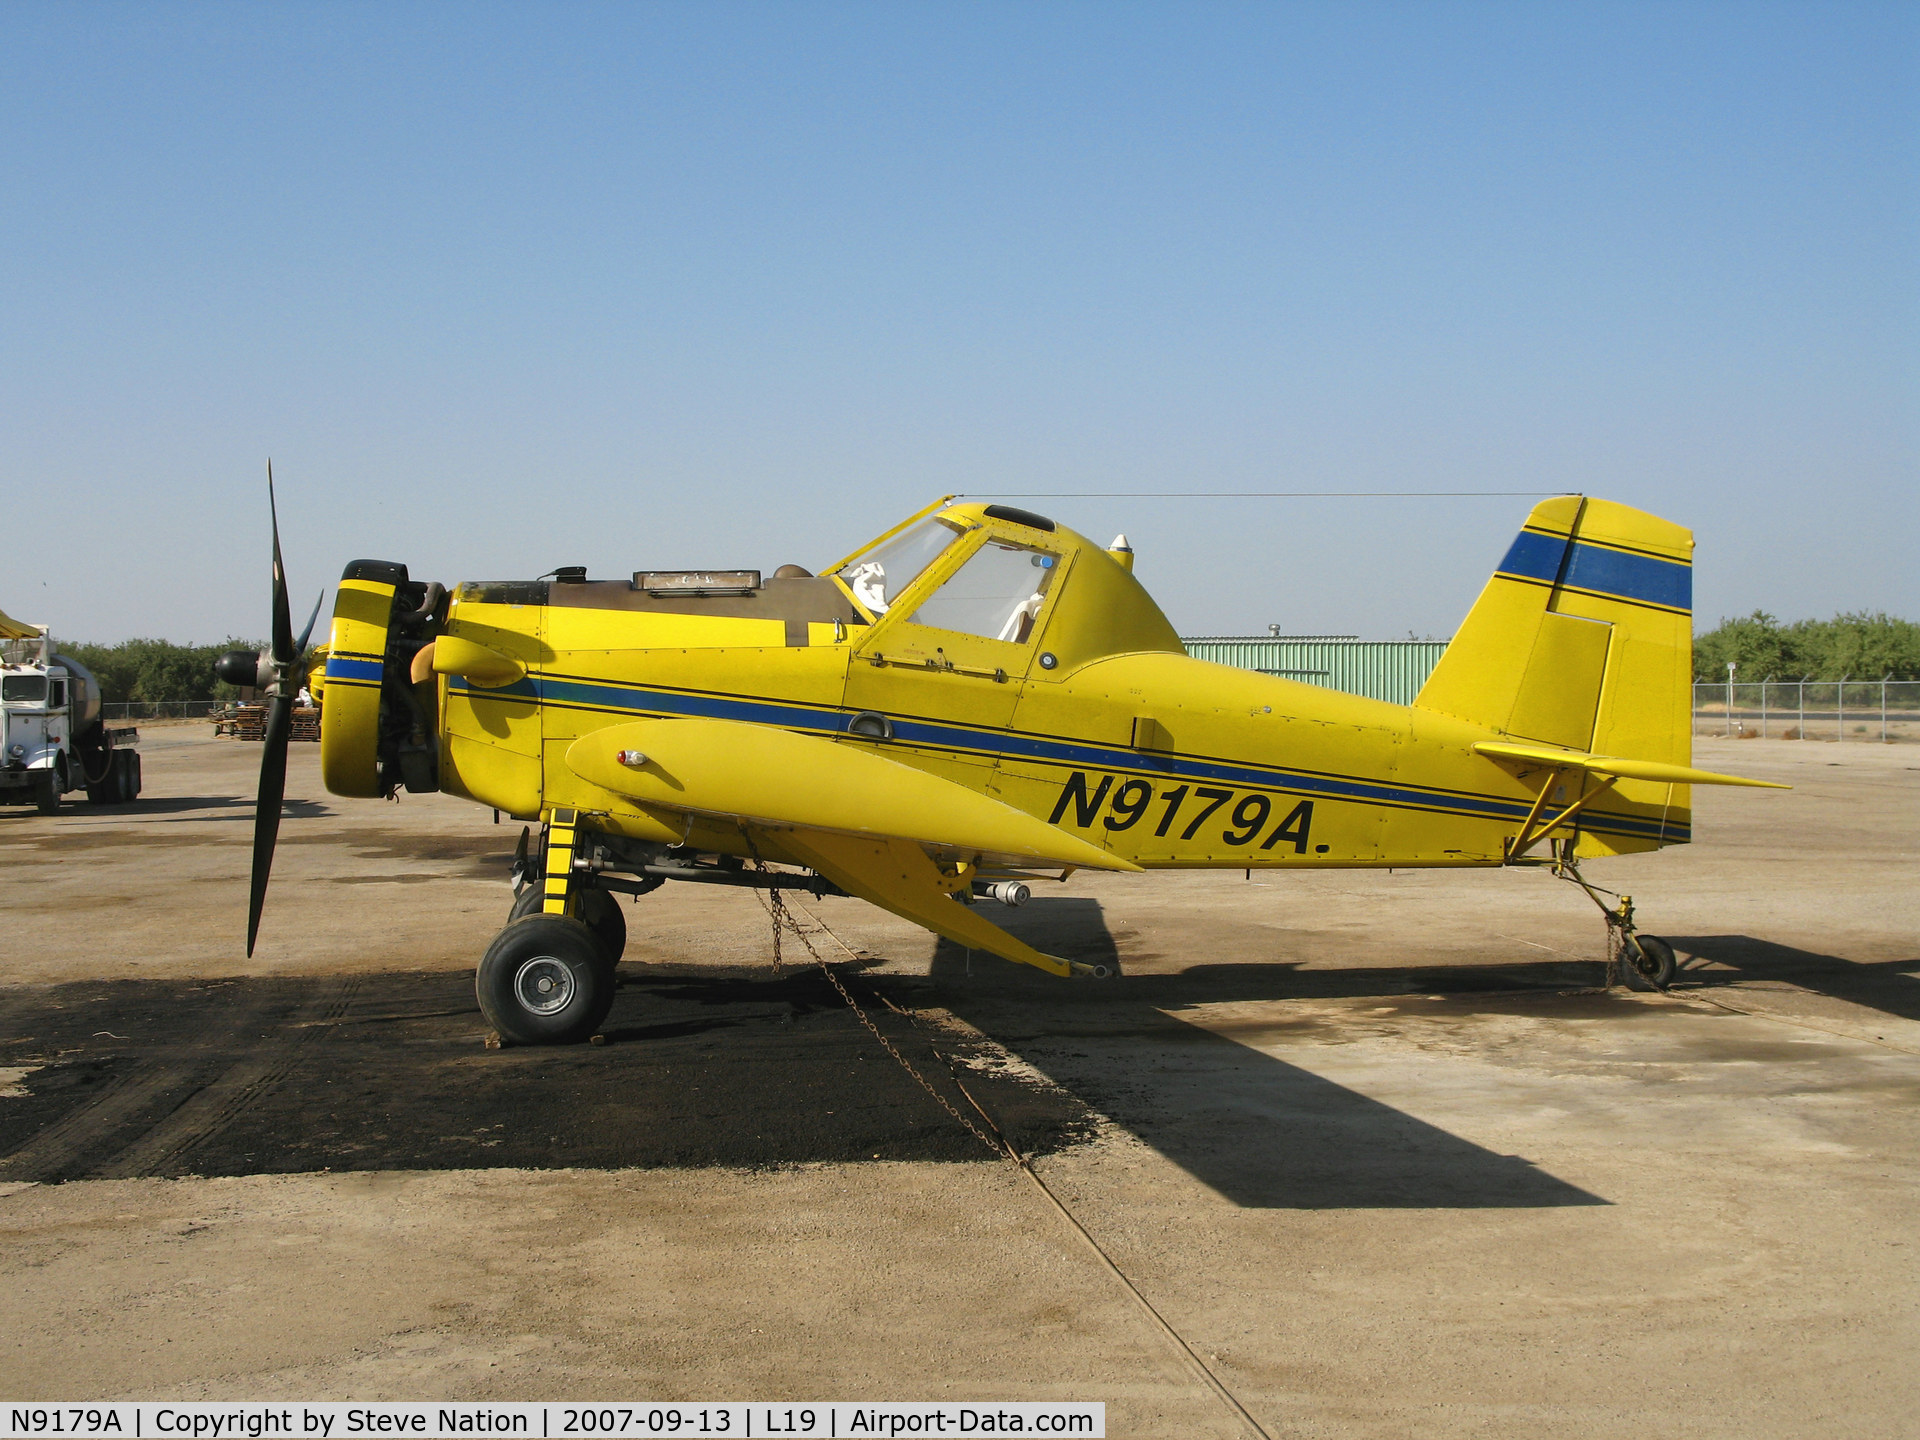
{"type": "Point", "coordinates": [1083, 711]}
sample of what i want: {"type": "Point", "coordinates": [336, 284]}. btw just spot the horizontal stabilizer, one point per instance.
{"type": "Point", "coordinates": [776, 777]}
{"type": "Point", "coordinates": [1655, 770]}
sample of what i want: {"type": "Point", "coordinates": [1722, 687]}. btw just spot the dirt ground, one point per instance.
{"type": "Point", "coordinates": [1371, 1144]}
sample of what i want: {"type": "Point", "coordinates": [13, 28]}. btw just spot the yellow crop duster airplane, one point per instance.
{"type": "Point", "coordinates": [977, 699]}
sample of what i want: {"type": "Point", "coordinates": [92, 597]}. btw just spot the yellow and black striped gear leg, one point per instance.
{"type": "Point", "coordinates": [560, 829]}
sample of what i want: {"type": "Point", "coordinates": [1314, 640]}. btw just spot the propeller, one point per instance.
{"type": "Point", "coordinates": [279, 671]}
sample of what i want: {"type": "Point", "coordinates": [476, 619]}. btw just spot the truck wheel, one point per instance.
{"type": "Point", "coordinates": [130, 776]}
{"type": "Point", "coordinates": [544, 981]}
{"type": "Point", "coordinates": [112, 789]}
{"type": "Point", "coordinates": [50, 786]}
{"type": "Point", "coordinates": [598, 911]}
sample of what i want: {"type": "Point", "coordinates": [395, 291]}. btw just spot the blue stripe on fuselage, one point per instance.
{"type": "Point", "coordinates": [1008, 745]}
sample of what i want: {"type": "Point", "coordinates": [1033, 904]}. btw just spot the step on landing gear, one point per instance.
{"type": "Point", "coordinates": [548, 977]}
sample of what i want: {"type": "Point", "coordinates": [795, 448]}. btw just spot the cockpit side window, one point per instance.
{"type": "Point", "coordinates": [882, 574]}
{"type": "Point", "coordinates": [996, 594]}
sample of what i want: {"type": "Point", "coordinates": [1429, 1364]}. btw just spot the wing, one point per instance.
{"type": "Point", "coordinates": [864, 821]}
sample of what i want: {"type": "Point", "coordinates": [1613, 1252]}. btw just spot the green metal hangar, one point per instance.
{"type": "Point", "coordinates": [1391, 670]}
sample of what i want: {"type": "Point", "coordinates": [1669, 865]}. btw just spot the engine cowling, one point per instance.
{"type": "Point", "coordinates": [378, 730]}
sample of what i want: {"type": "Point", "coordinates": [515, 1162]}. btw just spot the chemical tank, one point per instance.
{"type": "Point", "coordinates": [83, 694]}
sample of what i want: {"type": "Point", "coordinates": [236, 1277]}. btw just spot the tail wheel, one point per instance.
{"type": "Point", "coordinates": [595, 909]}
{"type": "Point", "coordinates": [545, 981]}
{"type": "Point", "coordinates": [1647, 962]}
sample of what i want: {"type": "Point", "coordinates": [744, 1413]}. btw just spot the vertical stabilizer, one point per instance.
{"type": "Point", "coordinates": [1583, 638]}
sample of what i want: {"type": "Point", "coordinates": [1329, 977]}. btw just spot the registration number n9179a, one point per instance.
{"type": "Point", "coordinates": [1183, 812]}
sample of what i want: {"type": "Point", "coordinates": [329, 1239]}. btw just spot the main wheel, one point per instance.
{"type": "Point", "coordinates": [47, 786]}
{"type": "Point", "coordinates": [544, 981]}
{"type": "Point", "coordinates": [598, 911]}
{"type": "Point", "coordinates": [1647, 962]}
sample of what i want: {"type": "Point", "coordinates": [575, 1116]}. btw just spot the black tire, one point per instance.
{"type": "Point", "coordinates": [598, 911]}
{"type": "Point", "coordinates": [1647, 962]}
{"type": "Point", "coordinates": [115, 787]}
{"type": "Point", "coordinates": [46, 792]}
{"type": "Point", "coordinates": [603, 916]}
{"type": "Point", "coordinates": [544, 981]}
{"type": "Point", "coordinates": [130, 775]}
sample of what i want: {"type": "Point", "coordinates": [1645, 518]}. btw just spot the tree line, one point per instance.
{"type": "Point", "coordinates": [156, 669]}
{"type": "Point", "coordinates": [1863, 645]}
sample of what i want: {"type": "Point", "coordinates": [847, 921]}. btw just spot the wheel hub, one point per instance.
{"type": "Point", "coordinates": [543, 985]}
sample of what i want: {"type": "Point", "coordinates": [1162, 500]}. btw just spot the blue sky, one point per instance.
{"type": "Point", "coordinates": [501, 288]}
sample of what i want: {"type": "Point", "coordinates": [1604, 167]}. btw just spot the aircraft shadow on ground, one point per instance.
{"type": "Point", "coordinates": [715, 1067]}
{"type": "Point", "coordinates": [1886, 986]}
{"type": "Point", "coordinates": [388, 1072]}
{"type": "Point", "coordinates": [1262, 1132]}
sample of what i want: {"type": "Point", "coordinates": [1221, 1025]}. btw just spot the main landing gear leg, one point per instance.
{"type": "Point", "coordinates": [1640, 962]}
{"type": "Point", "coordinates": [548, 977]}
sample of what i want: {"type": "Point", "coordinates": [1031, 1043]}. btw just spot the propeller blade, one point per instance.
{"type": "Point", "coordinates": [284, 650]}
{"type": "Point", "coordinates": [266, 810]}
{"type": "Point", "coordinates": [300, 645]}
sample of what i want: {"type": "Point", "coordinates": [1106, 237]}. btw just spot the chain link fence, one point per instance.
{"type": "Point", "coordinates": [1876, 711]}
{"type": "Point", "coordinates": [161, 709]}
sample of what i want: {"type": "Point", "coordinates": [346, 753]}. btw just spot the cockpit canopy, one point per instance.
{"type": "Point", "coordinates": [881, 574]}
{"type": "Point", "coordinates": [996, 593]}
{"type": "Point", "coordinates": [1021, 575]}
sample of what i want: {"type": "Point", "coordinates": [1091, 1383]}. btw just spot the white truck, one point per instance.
{"type": "Point", "coordinates": [52, 739]}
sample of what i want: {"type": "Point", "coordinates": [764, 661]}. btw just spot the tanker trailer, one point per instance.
{"type": "Point", "coordinates": [52, 737]}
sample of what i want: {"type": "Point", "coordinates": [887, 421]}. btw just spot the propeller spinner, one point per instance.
{"type": "Point", "coordinates": [280, 672]}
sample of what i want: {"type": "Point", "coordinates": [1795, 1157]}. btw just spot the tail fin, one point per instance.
{"type": "Point", "coordinates": [1582, 638]}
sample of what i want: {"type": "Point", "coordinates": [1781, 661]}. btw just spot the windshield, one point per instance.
{"type": "Point", "coordinates": [996, 594]}
{"type": "Point", "coordinates": [23, 689]}
{"type": "Point", "coordinates": [878, 577]}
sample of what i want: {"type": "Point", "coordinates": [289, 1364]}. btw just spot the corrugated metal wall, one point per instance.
{"type": "Point", "coordinates": [1392, 670]}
